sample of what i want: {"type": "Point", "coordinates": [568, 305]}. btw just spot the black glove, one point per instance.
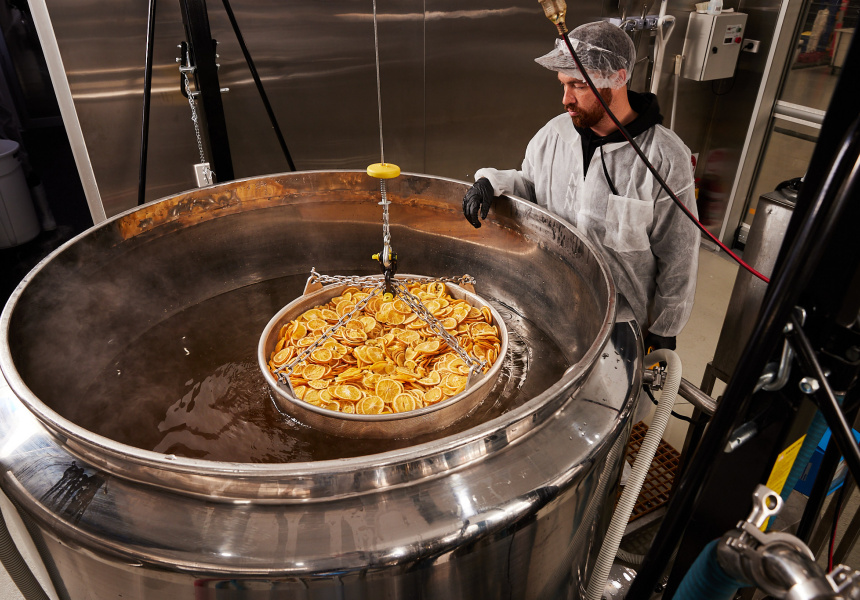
{"type": "Point", "coordinates": [658, 342]}
{"type": "Point", "coordinates": [479, 196]}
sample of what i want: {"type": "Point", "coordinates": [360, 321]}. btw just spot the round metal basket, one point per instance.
{"type": "Point", "coordinates": [384, 426]}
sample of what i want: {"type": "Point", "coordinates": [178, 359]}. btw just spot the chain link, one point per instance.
{"type": "Point", "coordinates": [196, 125]}
{"type": "Point", "coordinates": [403, 293]}
{"type": "Point", "coordinates": [475, 364]}
{"type": "Point", "coordinates": [373, 280]}
{"type": "Point", "coordinates": [386, 233]}
{"type": "Point", "coordinates": [434, 324]}
{"type": "Point", "coordinates": [288, 367]}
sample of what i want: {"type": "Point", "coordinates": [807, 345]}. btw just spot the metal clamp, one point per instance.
{"type": "Point", "coordinates": [779, 563]}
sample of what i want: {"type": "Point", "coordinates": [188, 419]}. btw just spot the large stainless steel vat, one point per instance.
{"type": "Point", "coordinates": [510, 502]}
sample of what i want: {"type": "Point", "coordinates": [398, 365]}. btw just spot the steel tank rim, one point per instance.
{"type": "Point", "coordinates": [537, 492]}
{"type": "Point", "coordinates": [262, 482]}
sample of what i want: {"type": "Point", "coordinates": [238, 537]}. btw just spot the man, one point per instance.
{"type": "Point", "coordinates": [580, 167]}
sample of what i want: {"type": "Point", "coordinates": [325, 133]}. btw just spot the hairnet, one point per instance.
{"type": "Point", "coordinates": [602, 48]}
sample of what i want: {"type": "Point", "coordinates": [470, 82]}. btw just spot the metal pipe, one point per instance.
{"type": "Point", "coordinates": [259, 84]}
{"type": "Point", "coordinates": [697, 397]}
{"type": "Point", "coordinates": [147, 98]}
{"type": "Point", "coordinates": [796, 267]}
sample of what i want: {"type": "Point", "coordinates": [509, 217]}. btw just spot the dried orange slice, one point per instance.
{"type": "Point", "coordinates": [281, 357]}
{"type": "Point", "coordinates": [372, 405]}
{"type": "Point", "coordinates": [317, 324]}
{"type": "Point", "coordinates": [346, 392]}
{"type": "Point", "coordinates": [430, 347]}
{"type": "Point", "coordinates": [404, 403]}
{"type": "Point", "coordinates": [329, 315]}
{"type": "Point", "coordinates": [374, 354]}
{"type": "Point", "coordinates": [322, 355]}
{"type": "Point", "coordinates": [432, 379]}
{"type": "Point", "coordinates": [299, 332]}
{"type": "Point", "coordinates": [433, 396]}
{"type": "Point", "coordinates": [314, 372]}
{"type": "Point", "coordinates": [387, 389]}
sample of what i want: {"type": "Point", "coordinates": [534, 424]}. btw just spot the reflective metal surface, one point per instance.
{"type": "Point", "coordinates": [492, 509]}
{"type": "Point", "coordinates": [450, 75]}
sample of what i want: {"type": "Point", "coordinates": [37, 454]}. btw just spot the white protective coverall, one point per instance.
{"type": "Point", "coordinates": [651, 246]}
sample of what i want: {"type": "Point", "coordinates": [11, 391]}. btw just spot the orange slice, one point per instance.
{"type": "Point", "coordinates": [404, 403]}
{"type": "Point", "coordinates": [372, 405]}
{"type": "Point", "coordinates": [387, 389]}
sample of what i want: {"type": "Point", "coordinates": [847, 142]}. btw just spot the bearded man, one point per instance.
{"type": "Point", "coordinates": [580, 167]}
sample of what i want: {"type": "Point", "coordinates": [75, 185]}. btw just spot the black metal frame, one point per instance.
{"type": "Point", "coordinates": [201, 51]}
{"type": "Point", "coordinates": [818, 270]}
{"type": "Point", "coordinates": [200, 48]}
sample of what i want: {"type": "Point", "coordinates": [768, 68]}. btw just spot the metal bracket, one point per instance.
{"type": "Point", "coordinates": [654, 377]}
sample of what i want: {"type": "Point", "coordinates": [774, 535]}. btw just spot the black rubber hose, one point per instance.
{"type": "Point", "coordinates": [16, 566]}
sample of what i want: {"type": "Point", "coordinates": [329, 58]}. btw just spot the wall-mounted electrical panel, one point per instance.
{"type": "Point", "coordinates": [712, 45]}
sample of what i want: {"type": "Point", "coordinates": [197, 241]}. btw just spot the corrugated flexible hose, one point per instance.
{"type": "Point", "coordinates": [644, 458]}
{"type": "Point", "coordinates": [17, 567]}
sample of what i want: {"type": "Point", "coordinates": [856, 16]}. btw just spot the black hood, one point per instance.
{"type": "Point", "coordinates": [647, 115]}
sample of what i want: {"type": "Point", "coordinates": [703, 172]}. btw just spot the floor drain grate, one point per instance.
{"type": "Point", "coordinates": [658, 482]}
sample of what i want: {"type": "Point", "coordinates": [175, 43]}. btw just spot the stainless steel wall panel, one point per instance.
{"type": "Point", "coordinates": [486, 97]}
{"type": "Point", "coordinates": [102, 45]}
{"type": "Point", "coordinates": [460, 88]}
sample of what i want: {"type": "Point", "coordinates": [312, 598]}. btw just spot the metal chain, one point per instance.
{"type": "Point", "coordinates": [373, 280]}
{"type": "Point", "coordinates": [194, 117]}
{"type": "Point", "coordinates": [288, 367]}
{"type": "Point", "coordinates": [196, 123]}
{"type": "Point", "coordinates": [386, 233]}
{"type": "Point", "coordinates": [284, 371]}
{"type": "Point", "coordinates": [434, 324]}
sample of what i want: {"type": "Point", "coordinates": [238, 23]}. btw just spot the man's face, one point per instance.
{"type": "Point", "coordinates": [580, 103]}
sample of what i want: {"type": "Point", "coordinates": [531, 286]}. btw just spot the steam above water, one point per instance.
{"type": "Point", "coordinates": [191, 387]}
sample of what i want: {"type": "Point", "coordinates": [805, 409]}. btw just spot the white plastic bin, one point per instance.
{"type": "Point", "coordinates": [18, 220]}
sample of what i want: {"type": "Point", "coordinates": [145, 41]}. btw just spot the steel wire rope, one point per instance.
{"type": "Point", "coordinates": [651, 168]}
{"type": "Point", "coordinates": [383, 191]}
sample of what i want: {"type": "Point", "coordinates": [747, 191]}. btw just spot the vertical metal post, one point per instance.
{"type": "Point", "coordinates": [201, 48]}
{"type": "Point", "coordinates": [263, 96]}
{"type": "Point", "coordinates": [147, 97]}
{"type": "Point", "coordinates": [818, 270]}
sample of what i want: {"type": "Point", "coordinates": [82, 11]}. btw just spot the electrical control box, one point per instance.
{"type": "Point", "coordinates": [712, 45]}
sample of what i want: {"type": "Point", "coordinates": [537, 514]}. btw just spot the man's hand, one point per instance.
{"type": "Point", "coordinates": [479, 196]}
{"type": "Point", "coordinates": [658, 342]}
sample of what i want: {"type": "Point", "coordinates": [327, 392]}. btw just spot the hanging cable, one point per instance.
{"type": "Point", "coordinates": [147, 99]}
{"type": "Point", "coordinates": [555, 11]}
{"type": "Point", "coordinates": [651, 168]}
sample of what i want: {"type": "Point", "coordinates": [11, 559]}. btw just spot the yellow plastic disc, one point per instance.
{"type": "Point", "coordinates": [383, 170]}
